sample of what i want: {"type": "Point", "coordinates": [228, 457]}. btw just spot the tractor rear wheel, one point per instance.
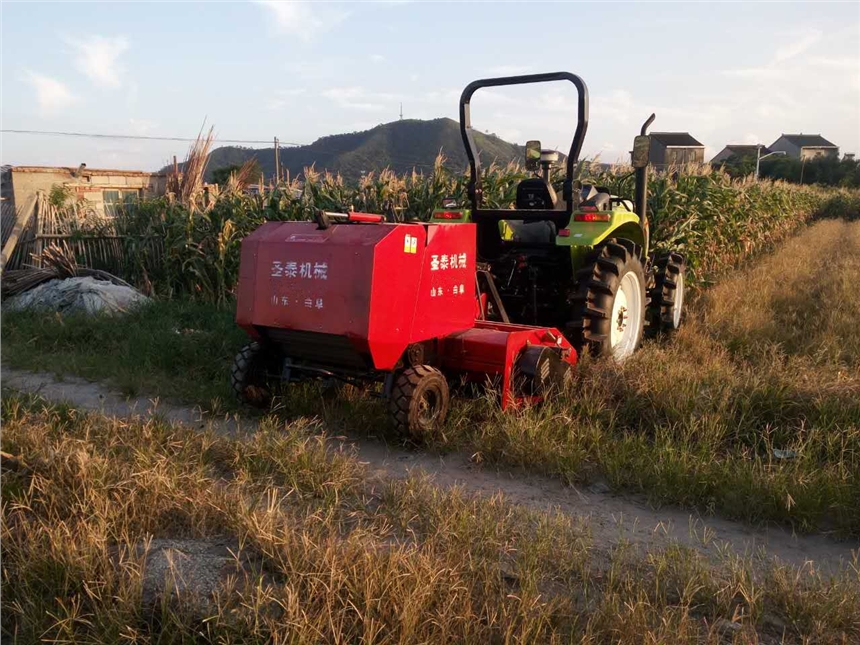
{"type": "Point", "coordinates": [419, 401]}
{"type": "Point", "coordinates": [666, 309]}
{"type": "Point", "coordinates": [249, 376]}
{"type": "Point", "coordinates": [609, 302]}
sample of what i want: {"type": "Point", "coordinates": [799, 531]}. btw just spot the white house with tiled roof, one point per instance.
{"type": "Point", "coordinates": [805, 146]}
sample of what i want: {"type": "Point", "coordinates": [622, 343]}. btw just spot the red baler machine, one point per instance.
{"type": "Point", "coordinates": [354, 299]}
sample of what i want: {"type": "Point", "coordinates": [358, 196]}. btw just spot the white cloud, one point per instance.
{"type": "Point", "coordinates": [495, 97]}
{"type": "Point", "coordinates": [508, 134]}
{"type": "Point", "coordinates": [797, 46]}
{"type": "Point", "coordinates": [98, 58]}
{"type": "Point", "coordinates": [317, 69]}
{"type": "Point", "coordinates": [283, 98]}
{"type": "Point", "coordinates": [131, 94]}
{"type": "Point", "coordinates": [846, 63]}
{"type": "Point", "coordinates": [606, 153]}
{"type": "Point", "coordinates": [302, 19]}
{"type": "Point", "coordinates": [772, 102]}
{"type": "Point", "coordinates": [142, 127]}
{"type": "Point", "coordinates": [52, 95]}
{"type": "Point", "coordinates": [509, 70]}
{"type": "Point", "coordinates": [617, 105]}
{"type": "Point", "coordinates": [755, 73]}
{"type": "Point", "coordinates": [770, 111]}
{"type": "Point", "coordinates": [358, 98]}
{"type": "Point", "coordinates": [377, 58]}
{"type": "Point", "coordinates": [447, 97]}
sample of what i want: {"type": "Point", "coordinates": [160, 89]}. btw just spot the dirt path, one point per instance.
{"type": "Point", "coordinates": [611, 518]}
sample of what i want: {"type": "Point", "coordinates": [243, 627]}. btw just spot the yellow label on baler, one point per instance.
{"type": "Point", "coordinates": [410, 244]}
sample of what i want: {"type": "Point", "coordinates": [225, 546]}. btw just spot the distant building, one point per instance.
{"type": "Point", "coordinates": [805, 146]}
{"type": "Point", "coordinates": [25, 187]}
{"type": "Point", "coordinates": [102, 189]}
{"type": "Point", "coordinates": [739, 151]}
{"type": "Point", "coordinates": [675, 149]}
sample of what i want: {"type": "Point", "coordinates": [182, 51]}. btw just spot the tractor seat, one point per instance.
{"type": "Point", "coordinates": [535, 194]}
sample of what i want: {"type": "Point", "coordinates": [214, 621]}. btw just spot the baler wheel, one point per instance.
{"type": "Point", "coordinates": [419, 401]}
{"type": "Point", "coordinates": [249, 377]}
{"type": "Point", "coordinates": [666, 309]}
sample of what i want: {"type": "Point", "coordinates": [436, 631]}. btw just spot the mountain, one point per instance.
{"type": "Point", "coordinates": [400, 145]}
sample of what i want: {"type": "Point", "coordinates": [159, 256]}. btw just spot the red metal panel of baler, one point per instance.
{"type": "Point", "coordinates": [382, 286]}
{"type": "Point", "coordinates": [300, 277]}
{"type": "Point", "coordinates": [492, 349]}
{"type": "Point", "coordinates": [296, 276]}
{"type": "Point", "coordinates": [398, 265]}
{"type": "Point", "coordinates": [446, 296]}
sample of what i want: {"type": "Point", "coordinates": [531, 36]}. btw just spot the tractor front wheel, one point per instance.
{"type": "Point", "coordinates": [666, 309]}
{"type": "Point", "coordinates": [419, 401]}
{"type": "Point", "coordinates": [609, 302]}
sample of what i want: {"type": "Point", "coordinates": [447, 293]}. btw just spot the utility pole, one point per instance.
{"type": "Point", "coordinates": [401, 111]}
{"type": "Point", "coordinates": [277, 161]}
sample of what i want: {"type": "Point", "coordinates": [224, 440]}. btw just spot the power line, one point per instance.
{"type": "Point", "coordinates": [320, 151]}
{"type": "Point", "coordinates": [139, 137]}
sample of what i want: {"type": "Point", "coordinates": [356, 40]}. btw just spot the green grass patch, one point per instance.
{"type": "Point", "coordinates": [175, 349]}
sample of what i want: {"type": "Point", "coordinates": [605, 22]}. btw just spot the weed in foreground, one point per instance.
{"type": "Point", "coordinates": [324, 554]}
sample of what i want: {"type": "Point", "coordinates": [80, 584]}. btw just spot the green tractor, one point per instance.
{"type": "Point", "coordinates": [579, 260]}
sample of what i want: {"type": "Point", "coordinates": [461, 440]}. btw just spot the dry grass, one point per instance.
{"type": "Point", "coordinates": [187, 186]}
{"type": "Point", "coordinates": [801, 302]}
{"type": "Point", "coordinates": [768, 360]}
{"type": "Point", "coordinates": [324, 555]}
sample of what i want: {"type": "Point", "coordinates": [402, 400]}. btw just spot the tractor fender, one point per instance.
{"type": "Point", "coordinates": [590, 234]}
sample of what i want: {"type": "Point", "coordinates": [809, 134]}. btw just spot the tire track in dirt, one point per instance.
{"type": "Point", "coordinates": [610, 518]}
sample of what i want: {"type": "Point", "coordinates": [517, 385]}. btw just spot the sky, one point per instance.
{"type": "Point", "coordinates": [725, 72]}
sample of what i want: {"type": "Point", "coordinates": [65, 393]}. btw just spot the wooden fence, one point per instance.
{"type": "Point", "coordinates": [28, 230]}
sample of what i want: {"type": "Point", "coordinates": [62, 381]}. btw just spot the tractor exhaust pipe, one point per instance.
{"type": "Point", "coordinates": [641, 154]}
{"type": "Point", "coordinates": [641, 198]}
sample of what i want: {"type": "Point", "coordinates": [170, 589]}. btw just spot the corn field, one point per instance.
{"type": "Point", "coordinates": [190, 247]}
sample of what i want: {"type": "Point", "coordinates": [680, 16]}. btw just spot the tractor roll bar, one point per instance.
{"type": "Point", "coordinates": [475, 191]}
